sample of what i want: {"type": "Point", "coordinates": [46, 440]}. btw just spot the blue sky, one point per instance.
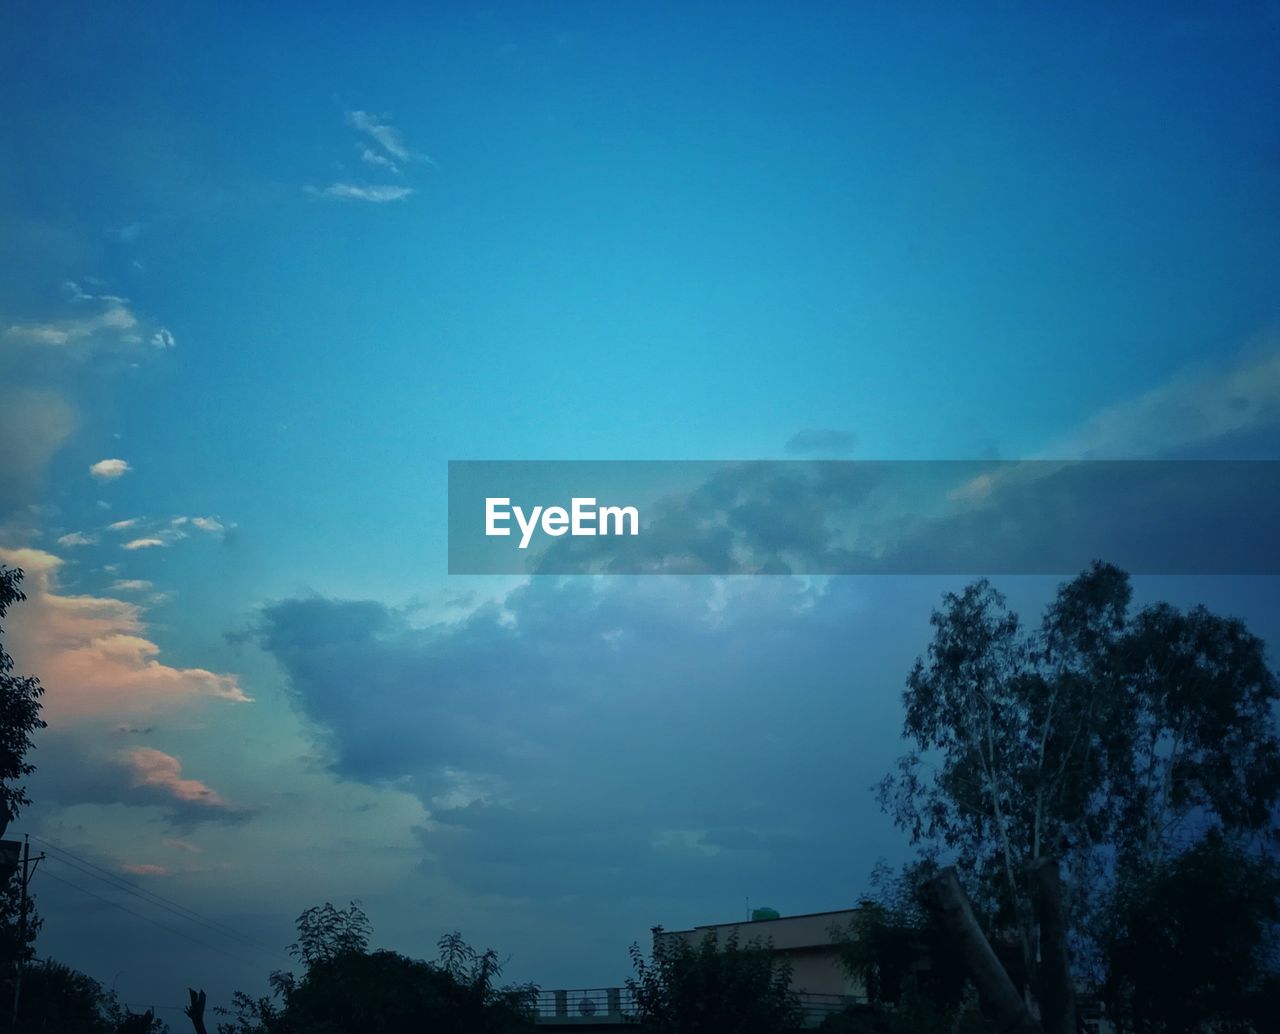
{"type": "Point", "coordinates": [287, 264]}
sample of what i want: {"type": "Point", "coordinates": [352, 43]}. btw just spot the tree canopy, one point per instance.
{"type": "Point", "coordinates": [713, 986]}
{"type": "Point", "coordinates": [347, 989]}
{"type": "Point", "coordinates": [19, 711]}
{"type": "Point", "coordinates": [1111, 739]}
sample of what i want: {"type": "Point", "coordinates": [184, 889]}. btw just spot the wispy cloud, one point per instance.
{"type": "Point", "coordinates": [131, 585]}
{"type": "Point", "coordinates": [209, 525]}
{"type": "Point", "coordinates": [152, 534]}
{"type": "Point", "coordinates": [357, 192]}
{"type": "Point", "coordinates": [114, 322]}
{"type": "Point", "coordinates": [144, 869]}
{"type": "Point", "coordinates": [114, 317]}
{"type": "Point", "coordinates": [1193, 409]}
{"type": "Point", "coordinates": [77, 538]}
{"type": "Point", "coordinates": [381, 146]}
{"type": "Point", "coordinates": [371, 157]}
{"type": "Point", "coordinates": [385, 135]}
{"type": "Point", "coordinates": [109, 470]}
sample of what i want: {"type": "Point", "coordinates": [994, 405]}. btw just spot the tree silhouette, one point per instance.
{"type": "Point", "coordinates": [1112, 740]}
{"type": "Point", "coordinates": [715, 986]}
{"type": "Point", "coordinates": [347, 989]}
{"type": "Point", "coordinates": [19, 711]}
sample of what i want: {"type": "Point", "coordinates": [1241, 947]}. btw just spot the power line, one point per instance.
{"type": "Point", "coordinates": [148, 919]}
{"type": "Point", "coordinates": [174, 909]}
{"type": "Point", "coordinates": [118, 882]}
{"type": "Point", "coordinates": [115, 878]}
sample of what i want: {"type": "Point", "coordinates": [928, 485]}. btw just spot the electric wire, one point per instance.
{"type": "Point", "coordinates": [117, 882]}
{"type": "Point", "coordinates": [154, 922]}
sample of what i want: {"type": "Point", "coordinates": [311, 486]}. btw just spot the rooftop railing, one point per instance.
{"type": "Point", "coordinates": [602, 1005]}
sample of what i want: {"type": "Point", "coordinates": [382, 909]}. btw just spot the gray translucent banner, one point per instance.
{"type": "Point", "coordinates": [863, 517]}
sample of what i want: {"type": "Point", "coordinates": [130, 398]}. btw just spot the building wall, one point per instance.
{"type": "Point", "coordinates": [806, 941]}
{"type": "Point", "coordinates": [818, 971]}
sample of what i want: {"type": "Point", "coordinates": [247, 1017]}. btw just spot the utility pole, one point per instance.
{"type": "Point", "coordinates": [28, 870]}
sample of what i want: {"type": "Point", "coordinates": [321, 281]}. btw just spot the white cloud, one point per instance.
{"type": "Point", "coordinates": [1195, 408]}
{"type": "Point", "coordinates": [371, 157]}
{"type": "Point", "coordinates": [202, 524]}
{"type": "Point", "coordinates": [93, 322]}
{"type": "Point", "coordinates": [153, 534]}
{"type": "Point", "coordinates": [131, 585]}
{"type": "Point", "coordinates": [38, 334]}
{"type": "Point", "coordinates": [388, 152]}
{"type": "Point", "coordinates": [77, 538]}
{"type": "Point", "coordinates": [116, 317]}
{"type": "Point", "coordinates": [356, 192]}
{"type": "Point", "coordinates": [384, 135]}
{"type": "Point", "coordinates": [109, 470]}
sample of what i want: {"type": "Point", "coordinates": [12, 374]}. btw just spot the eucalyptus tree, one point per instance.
{"type": "Point", "coordinates": [1107, 738]}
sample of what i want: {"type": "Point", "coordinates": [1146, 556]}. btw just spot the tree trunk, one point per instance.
{"type": "Point", "coordinates": [195, 1011]}
{"type": "Point", "coordinates": [1057, 992]}
{"type": "Point", "coordinates": [952, 908]}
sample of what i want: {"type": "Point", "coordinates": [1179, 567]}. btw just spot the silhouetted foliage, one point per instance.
{"type": "Point", "coordinates": [54, 997]}
{"type": "Point", "coordinates": [58, 998]}
{"type": "Point", "coordinates": [326, 933]}
{"type": "Point", "coordinates": [346, 989]}
{"type": "Point", "coordinates": [19, 719]}
{"type": "Point", "coordinates": [1107, 738]}
{"type": "Point", "coordinates": [19, 710]}
{"type": "Point", "coordinates": [913, 982]}
{"type": "Point", "coordinates": [1191, 944]}
{"type": "Point", "coordinates": [716, 986]}
{"type": "Point", "coordinates": [14, 946]}
{"type": "Point", "coordinates": [915, 1013]}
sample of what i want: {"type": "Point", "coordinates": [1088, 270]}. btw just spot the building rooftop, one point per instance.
{"type": "Point", "coordinates": [810, 929]}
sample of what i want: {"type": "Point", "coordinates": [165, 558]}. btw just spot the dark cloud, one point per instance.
{"type": "Point", "coordinates": [946, 518]}
{"type": "Point", "coordinates": [1199, 517]}
{"type": "Point", "coordinates": [821, 442]}
{"type": "Point", "coordinates": [744, 518]}
{"type": "Point", "coordinates": [622, 736]}
{"type": "Point", "coordinates": [601, 754]}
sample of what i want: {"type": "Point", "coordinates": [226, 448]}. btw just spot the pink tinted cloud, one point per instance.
{"type": "Point", "coordinates": [92, 653]}
{"type": "Point", "coordinates": [145, 869]}
{"type": "Point", "coordinates": [155, 768]}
